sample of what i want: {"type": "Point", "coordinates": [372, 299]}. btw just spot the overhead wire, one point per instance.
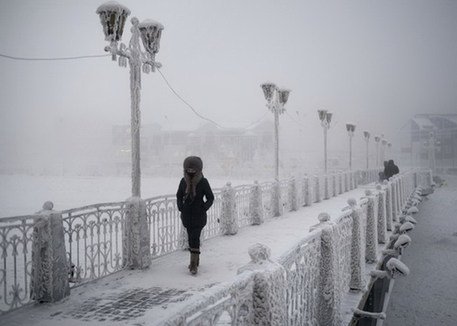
{"type": "Point", "coordinates": [160, 72]}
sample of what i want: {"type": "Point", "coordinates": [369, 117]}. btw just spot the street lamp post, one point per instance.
{"type": "Point", "coordinates": [366, 136]}
{"type": "Point", "coordinates": [113, 17]}
{"type": "Point", "coordinates": [276, 99]}
{"type": "Point", "coordinates": [350, 129]}
{"type": "Point", "coordinates": [137, 239]}
{"type": "Point", "coordinates": [325, 117]}
{"type": "Point", "coordinates": [377, 139]}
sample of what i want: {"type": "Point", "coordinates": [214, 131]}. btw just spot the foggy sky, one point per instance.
{"type": "Point", "coordinates": [373, 63]}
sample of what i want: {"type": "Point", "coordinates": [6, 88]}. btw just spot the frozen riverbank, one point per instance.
{"type": "Point", "coordinates": [23, 194]}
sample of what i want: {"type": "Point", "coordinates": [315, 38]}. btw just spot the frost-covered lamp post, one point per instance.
{"type": "Point", "coordinates": [366, 136]}
{"type": "Point", "coordinates": [377, 139]}
{"type": "Point", "coordinates": [113, 17]}
{"type": "Point", "coordinates": [325, 117]}
{"type": "Point", "coordinates": [350, 129]}
{"type": "Point", "coordinates": [276, 99]}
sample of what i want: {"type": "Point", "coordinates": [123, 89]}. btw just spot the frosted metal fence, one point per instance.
{"type": "Point", "coordinates": [93, 234]}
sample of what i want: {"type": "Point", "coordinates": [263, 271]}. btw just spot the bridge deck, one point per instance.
{"type": "Point", "coordinates": [150, 296]}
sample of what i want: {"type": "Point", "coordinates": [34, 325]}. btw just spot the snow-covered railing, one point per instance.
{"type": "Point", "coordinates": [231, 303]}
{"type": "Point", "coordinates": [319, 270]}
{"type": "Point", "coordinates": [94, 234]}
{"type": "Point", "coordinates": [93, 240]}
{"type": "Point", "coordinates": [302, 266]}
{"type": "Point", "coordinates": [16, 237]}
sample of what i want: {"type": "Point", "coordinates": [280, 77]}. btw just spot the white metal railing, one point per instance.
{"type": "Point", "coordinates": [93, 234]}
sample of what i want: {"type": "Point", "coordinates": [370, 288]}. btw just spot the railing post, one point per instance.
{"type": "Point", "coordinates": [326, 190]}
{"type": "Point", "coordinates": [371, 231]}
{"type": "Point", "coordinates": [292, 195]}
{"type": "Point", "coordinates": [255, 204]}
{"type": "Point", "coordinates": [307, 191]}
{"type": "Point", "coordinates": [228, 220]}
{"type": "Point", "coordinates": [317, 189]}
{"type": "Point", "coordinates": [382, 224]}
{"type": "Point", "coordinates": [346, 183]}
{"type": "Point", "coordinates": [276, 206]}
{"type": "Point", "coordinates": [389, 221]}
{"type": "Point", "coordinates": [394, 200]}
{"type": "Point", "coordinates": [136, 239]}
{"type": "Point", "coordinates": [329, 296]}
{"type": "Point", "coordinates": [340, 182]}
{"type": "Point", "coordinates": [357, 281]}
{"type": "Point", "coordinates": [335, 193]}
{"type": "Point", "coordinates": [269, 297]}
{"type": "Point", "coordinates": [49, 276]}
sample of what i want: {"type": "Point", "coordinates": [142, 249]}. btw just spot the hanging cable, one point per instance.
{"type": "Point", "coordinates": [54, 59]}
{"type": "Point", "coordinates": [160, 72]}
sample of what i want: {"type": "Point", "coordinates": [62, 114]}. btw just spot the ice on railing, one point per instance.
{"type": "Point", "coordinates": [371, 228]}
{"type": "Point", "coordinates": [357, 281]}
{"type": "Point", "coordinates": [381, 216]}
{"type": "Point", "coordinates": [255, 205]}
{"type": "Point", "coordinates": [269, 293]}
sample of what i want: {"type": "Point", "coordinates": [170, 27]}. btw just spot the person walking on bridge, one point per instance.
{"type": "Point", "coordinates": [191, 191]}
{"type": "Point", "coordinates": [391, 169]}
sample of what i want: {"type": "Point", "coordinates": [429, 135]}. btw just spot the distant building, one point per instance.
{"type": "Point", "coordinates": [227, 149]}
{"type": "Point", "coordinates": [431, 139]}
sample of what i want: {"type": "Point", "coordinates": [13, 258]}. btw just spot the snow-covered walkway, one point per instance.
{"type": "Point", "coordinates": [428, 296]}
{"type": "Point", "coordinates": [150, 296]}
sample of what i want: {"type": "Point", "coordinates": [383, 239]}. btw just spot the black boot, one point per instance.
{"type": "Point", "coordinates": [194, 261]}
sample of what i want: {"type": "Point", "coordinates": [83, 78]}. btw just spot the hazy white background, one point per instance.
{"type": "Point", "coordinates": [373, 63]}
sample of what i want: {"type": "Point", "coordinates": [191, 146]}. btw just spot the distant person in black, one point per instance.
{"type": "Point", "coordinates": [192, 188]}
{"type": "Point", "coordinates": [391, 169]}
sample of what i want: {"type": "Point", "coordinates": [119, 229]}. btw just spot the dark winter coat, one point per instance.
{"type": "Point", "coordinates": [391, 169]}
{"type": "Point", "coordinates": [193, 212]}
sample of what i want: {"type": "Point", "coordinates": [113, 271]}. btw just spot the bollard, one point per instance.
{"type": "Point", "coordinates": [49, 275]}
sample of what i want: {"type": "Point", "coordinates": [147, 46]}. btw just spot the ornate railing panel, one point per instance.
{"type": "Point", "coordinates": [242, 194]}
{"type": "Point", "coordinates": [165, 225]}
{"type": "Point", "coordinates": [267, 188]}
{"type": "Point", "coordinates": [93, 240]}
{"type": "Point", "coordinates": [302, 265]}
{"type": "Point", "coordinates": [16, 236]}
{"type": "Point", "coordinates": [212, 228]}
